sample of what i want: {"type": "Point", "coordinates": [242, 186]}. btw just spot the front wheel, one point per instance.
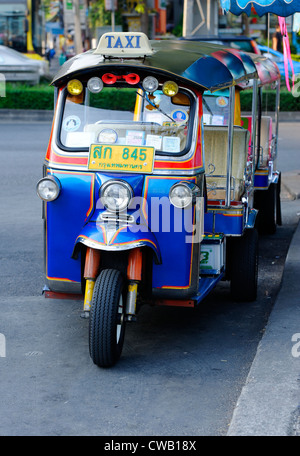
{"type": "Point", "coordinates": [107, 318]}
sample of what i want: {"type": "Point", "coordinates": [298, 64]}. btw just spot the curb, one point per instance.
{"type": "Point", "coordinates": [290, 184]}
{"type": "Point", "coordinates": [26, 115]}
{"type": "Point", "coordinates": [269, 402]}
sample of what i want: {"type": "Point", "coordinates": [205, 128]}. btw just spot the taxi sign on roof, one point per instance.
{"type": "Point", "coordinates": [124, 44]}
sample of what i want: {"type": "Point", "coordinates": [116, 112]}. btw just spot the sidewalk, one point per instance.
{"type": "Point", "coordinates": [269, 404]}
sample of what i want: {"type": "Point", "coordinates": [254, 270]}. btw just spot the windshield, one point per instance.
{"type": "Point", "coordinates": [216, 108]}
{"type": "Point", "coordinates": [127, 116]}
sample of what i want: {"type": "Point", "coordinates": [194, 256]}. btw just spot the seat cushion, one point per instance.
{"type": "Point", "coordinates": [215, 152]}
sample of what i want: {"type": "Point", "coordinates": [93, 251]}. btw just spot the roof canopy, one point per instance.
{"type": "Point", "coordinates": [267, 69]}
{"type": "Point", "coordinates": [204, 65]}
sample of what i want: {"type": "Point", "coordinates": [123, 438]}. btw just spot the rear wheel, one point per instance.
{"type": "Point", "coordinates": [107, 318]}
{"type": "Point", "coordinates": [244, 266]}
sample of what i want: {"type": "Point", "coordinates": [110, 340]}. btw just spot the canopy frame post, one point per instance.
{"type": "Point", "coordinates": [253, 133]}
{"type": "Point", "coordinates": [277, 107]}
{"type": "Point", "coordinates": [230, 145]}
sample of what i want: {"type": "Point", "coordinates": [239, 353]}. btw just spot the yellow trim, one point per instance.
{"type": "Point", "coordinates": [237, 108]}
{"type": "Point", "coordinates": [88, 296]}
{"type": "Point", "coordinates": [30, 47]}
{"type": "Point", "coordinates": [58, 279]}
{"type": "Point", "coordinates": [35, 57]}
{"type": "Point", "coordinates": [262, 172]}
{"type": "Point", "coordinates": [138, 106]}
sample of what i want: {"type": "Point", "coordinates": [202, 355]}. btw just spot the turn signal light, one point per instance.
{"type": "Point", "coordinates": [170, 88]}
{"type": "Point", "coordinates": [75, 87]}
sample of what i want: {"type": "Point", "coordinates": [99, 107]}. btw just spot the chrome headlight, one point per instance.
{"type": "Point", "coordinates": [183, 194]}
{"type": "Point", "coordinates": [48, 188]}
{"type": "Point", "coordinates": [116, 195]}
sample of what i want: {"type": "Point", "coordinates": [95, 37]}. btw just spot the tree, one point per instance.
{"type": "Point", "coordinates": [45, 5]}
{"type": "Point", "coordinates": [141, 8]}
{"type": "Point", "coordinates": [98, 16]}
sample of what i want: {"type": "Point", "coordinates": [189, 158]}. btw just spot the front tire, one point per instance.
{"type": "Point", "coordinates": [107, 318]}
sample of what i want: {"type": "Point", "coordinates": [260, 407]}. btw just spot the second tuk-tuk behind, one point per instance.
{"type": "Point", "coordinates": [263, 138]}
{"type": "Point", "coordinates": [128, 219]}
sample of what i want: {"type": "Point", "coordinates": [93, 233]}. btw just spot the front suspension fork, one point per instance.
{"type": "Point", "coordinates": [91, 270]}
{"type": "Point", "coordinates": [134, 276]}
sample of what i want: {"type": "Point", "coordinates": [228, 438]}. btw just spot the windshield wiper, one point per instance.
{"type": "Point", "coordinates": [206, 105]}
{"type": "Point", "coordinates": [154, 105]}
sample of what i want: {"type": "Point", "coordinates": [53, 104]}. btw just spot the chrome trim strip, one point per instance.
{"type": "Point", "coordinates": [112, 217]}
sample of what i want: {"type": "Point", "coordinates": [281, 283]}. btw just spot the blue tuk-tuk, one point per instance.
{"type": "Point", "coordinates": [127, 207]}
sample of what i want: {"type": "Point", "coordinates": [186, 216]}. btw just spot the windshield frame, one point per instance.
{"type": "Point", "coordinates": [158, 153]}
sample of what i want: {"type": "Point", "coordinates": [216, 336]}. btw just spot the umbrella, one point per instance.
{"type": "Point", "coordinates": [282, 8]}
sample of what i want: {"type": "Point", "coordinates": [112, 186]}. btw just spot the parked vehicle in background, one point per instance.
{"type": "Point", "coordinates": [16, 67]}
{"type": "Point", "coordinates": [278, 58]}
{"type": "Point", "coordinates": [240, 42]}
{"type": "Point", "coordinates": [22, 26]}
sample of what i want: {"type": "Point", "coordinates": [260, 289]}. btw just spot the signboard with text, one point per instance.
{"type": "Point", "coordinates": [111, 5]}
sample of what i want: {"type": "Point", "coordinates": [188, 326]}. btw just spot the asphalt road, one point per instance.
{"type": "Point", "coordinates": [181, 371]}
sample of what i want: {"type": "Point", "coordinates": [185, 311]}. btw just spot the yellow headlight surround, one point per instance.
{"type": "Point", "coordinates": [75, 87]}
{"type": "Point", "coordinates": [170, 88]}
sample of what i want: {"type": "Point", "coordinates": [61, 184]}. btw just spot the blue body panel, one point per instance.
{"type": "Point", "coordinates": [206, 285]}
{"type": "Point", "coordinates": [74, 218]}
{"type": "Point", "coordinates": [176, 253]}
{"type": "Point", "coordinates": [261, 180]}
{"type": "Point", "coordinates": [224, 222]}
{"type": "Point", "coordinates": [65, 217]}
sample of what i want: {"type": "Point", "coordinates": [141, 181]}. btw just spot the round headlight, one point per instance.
{"type": "Point", "coordinates": [108, 136]}
{"type": "Point", "coordinates": [75, 87]}
{"type": "Point", "coordinates": [48, 188]}
{"type": "Point", "coordinates": [170, 88]}
{"type": "Point", "coordinates": [95, 85]}
{"type": "Point", "coordinates": [181, 195]}
{"type": "Point", "coordinates": [116, 195]}
{"type": "Point", "coordinates": [150, 84]}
